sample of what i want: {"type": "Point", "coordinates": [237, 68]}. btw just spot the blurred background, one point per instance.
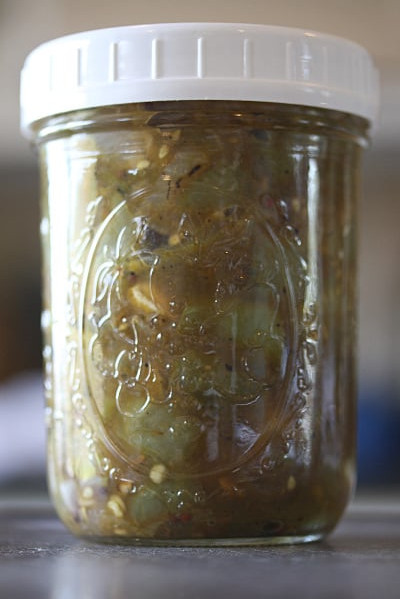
{"type": "Point", "coordinates": [25, 24]}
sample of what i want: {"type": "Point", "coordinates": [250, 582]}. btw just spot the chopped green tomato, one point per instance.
{"type": "Point", "coordinates": [198, 334]}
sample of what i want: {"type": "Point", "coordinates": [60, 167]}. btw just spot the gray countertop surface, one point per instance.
{"type": "Point", "coordinates": [40, 559]}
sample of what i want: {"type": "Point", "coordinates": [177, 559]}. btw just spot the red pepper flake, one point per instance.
{"type": "Point", "coordinates": [182, 518]}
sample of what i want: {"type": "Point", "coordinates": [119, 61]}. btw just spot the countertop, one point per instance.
{"type": "Point", "coordinates": [40, 559]}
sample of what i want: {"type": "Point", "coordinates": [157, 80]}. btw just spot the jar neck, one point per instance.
{"type": "Point", "coordinates": [207, 113]}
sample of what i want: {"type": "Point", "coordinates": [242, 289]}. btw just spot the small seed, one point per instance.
{"type": "Point", "coordinates": [174, 239]}
{"type": "Point", "coordinates": [124, 324]}
{"type": "Point", "coordinates": [296, 205]}
{"type": "Point", "coordinates": [87, 492]}
{"type": "Point", "coordinates": [125, 487]}
{"type": "Point", "coordinates": [116, 505]}
{"type": "Point", "coordinates": [291, 483]}
{"type": "Point", "coordinates": [142, 164]}
{"type": "Point", "coordinates": [163, 151]}
{"type": "Point", "coordinates": [87, 497]}
{"type": "Point", "coordinates": [158, 473]}
{"type": "Point", "coordinates": [139, 299]}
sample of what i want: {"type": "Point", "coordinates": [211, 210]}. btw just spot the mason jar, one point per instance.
{"type": "Point", "coordinates": [199, 194]}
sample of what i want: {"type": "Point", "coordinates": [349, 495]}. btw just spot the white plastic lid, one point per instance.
{"type": "Point", "coordinates": [197, 61]}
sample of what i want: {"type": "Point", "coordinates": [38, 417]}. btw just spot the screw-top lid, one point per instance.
{"type": "Point", "coordinates": [197, 61]}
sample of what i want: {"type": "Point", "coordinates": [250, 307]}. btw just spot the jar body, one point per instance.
{"type": "Point", "coordinates": [199, 320]}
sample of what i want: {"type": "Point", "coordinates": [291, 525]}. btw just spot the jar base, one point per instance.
{"type": "Point", "coordinates": [217, 542]}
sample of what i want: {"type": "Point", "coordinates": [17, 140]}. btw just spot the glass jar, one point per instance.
{"type": "Point", "coordinates": [199, 288]}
